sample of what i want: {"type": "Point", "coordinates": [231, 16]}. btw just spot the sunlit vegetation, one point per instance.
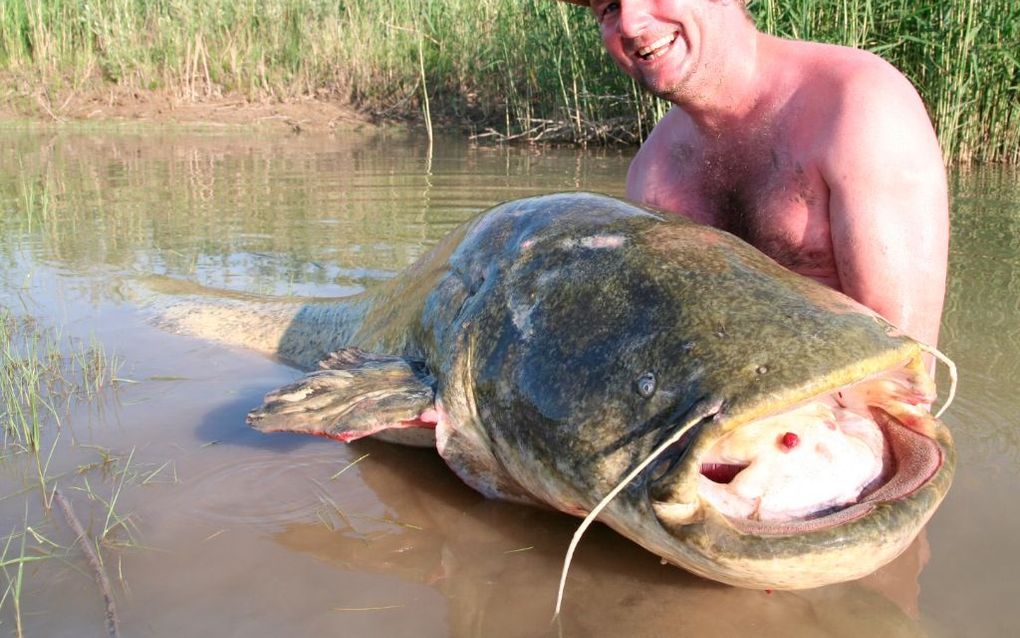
{"type": "Point", "coordinates": [507, 69]}
{"type": "Point", "coordinates": [960, 54]}
{"type": "Point", "coordinates": [39, 376]}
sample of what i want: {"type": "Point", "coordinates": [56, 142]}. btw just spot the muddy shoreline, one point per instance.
{"type": "Point", "coordinates": [119, 106]}
{"type": "Point", "coordinates": [326, 113]}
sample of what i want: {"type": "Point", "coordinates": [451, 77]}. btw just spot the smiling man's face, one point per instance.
{"type": "Point", "coordinates": [660, 43]}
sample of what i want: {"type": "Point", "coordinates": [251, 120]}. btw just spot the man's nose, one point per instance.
{"type": "Point", "coordinates": [634, 18]}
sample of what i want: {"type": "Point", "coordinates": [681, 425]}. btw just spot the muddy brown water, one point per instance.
{"type": "Point", "coordinates": [232, 533]}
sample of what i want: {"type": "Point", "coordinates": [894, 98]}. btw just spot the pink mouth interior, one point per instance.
{"type": "Point", "coordinates": [826, 461]}
{"type": "Point", "coordinates": [916, 459]}
{"type": "Point", "coordinates": [722, 473]}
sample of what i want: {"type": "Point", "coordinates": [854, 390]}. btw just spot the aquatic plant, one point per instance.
{"type": "Point", "coordinates": [38, 372]}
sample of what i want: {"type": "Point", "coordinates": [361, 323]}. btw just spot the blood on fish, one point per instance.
{"type": "Point", "coordinates": [790, 440]}
{"type": "Point", "coordinates": [416, 423]}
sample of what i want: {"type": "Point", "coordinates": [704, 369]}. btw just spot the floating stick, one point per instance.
{"type": "Point", "coordinates": [93, 561]}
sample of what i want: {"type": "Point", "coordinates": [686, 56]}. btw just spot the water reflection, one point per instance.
{"type": "Point", "coordinates": [255, 527]}
{"type": "Point", "coordinates": [259, 215]}
{"type": "Point", "coordinates": [497, 566]}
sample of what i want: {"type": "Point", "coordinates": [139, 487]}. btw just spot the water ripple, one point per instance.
{"type": "Point", "coordinates": [262, 490]}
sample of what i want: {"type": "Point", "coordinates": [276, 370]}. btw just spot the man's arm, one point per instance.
{"type": "Point", "coordinates": [652, 170]}
{"type": "Point", "coordinates": [888, 204]}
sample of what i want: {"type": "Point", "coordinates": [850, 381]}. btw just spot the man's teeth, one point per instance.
{"type": "Point", "coordinates": [657, 48]}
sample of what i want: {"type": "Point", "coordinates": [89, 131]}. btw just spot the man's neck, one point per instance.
{"type": "Point", "coordinates": [735, 88]}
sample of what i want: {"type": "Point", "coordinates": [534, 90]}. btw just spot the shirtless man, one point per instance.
{"type": "Point", "coordinates": [822, 157]}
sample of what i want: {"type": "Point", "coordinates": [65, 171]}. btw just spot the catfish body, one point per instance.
{"type": "Point", "coordinates": [549, 345]}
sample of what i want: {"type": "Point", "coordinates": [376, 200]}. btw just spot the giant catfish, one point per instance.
{"type": "Point", "coordinates": [759, 428]}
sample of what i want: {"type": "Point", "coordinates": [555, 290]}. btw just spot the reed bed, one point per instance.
{"type": "Point", "coordinates": [507, 69]}
{"type": "Point", "coordinates": [962, 55]}
{"type": "Point", "coordinates": [40, 374]}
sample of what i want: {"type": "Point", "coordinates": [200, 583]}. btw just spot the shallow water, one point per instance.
{"type": "Point", "coordinates": [234, 533]}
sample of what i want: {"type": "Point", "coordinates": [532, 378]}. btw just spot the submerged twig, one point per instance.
{"type": "Point", "coordinates": [519, 550]}
{"type": "Point", "coordinates": [93, 561]}
{"type": "Point", "coordinates": [350, 465]}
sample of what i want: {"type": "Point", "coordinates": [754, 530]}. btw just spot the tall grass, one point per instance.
{"type": "Point", "coordinates": [532, 68]}
{"type": "Point", "coordinates": [962, 55]}
{"type": "Point", "coordinates": [39, 372]}
{"type": "Point", "coordinates": [40, 375]}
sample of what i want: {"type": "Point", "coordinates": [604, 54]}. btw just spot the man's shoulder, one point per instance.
{"type": "Point", "coordinates": [673, 128]}
{"type": "Point", "coordinates": [664, 147]}
{"type": "Point", "coordinates": [845, 77]}
{"type": "Point", "coordinates": [853, 97]}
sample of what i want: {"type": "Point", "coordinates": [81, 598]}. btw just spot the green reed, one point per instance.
{"type": "Point", "coordinates": [961, 55]}
{"type": "Point", "coordinates": [40, 375]}
{"type": "Point", "coordinates": [39, 371]}
{"type": "Point", "coordinates": [508, 68]}
{"type": "Point", "coordinates": [25, 545]}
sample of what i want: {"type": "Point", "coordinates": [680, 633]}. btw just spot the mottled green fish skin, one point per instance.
{"type": "Point", "coordinates": [567, 300]}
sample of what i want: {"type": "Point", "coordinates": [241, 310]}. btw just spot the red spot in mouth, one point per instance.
{"type": "Point", "coordinates": [721, 472]}
{"type": "Point", "coordinates": [789, 440]}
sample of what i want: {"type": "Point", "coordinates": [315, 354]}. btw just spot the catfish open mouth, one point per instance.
{"type": "Point", "coordinates": [821, 463]}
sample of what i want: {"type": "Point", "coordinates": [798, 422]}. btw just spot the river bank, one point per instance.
{"type": "Point", "coordinates": [503, 70]}
{"type": "Point", "coordinates": [117, 105]}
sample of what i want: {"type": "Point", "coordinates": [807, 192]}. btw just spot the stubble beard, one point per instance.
{"type": "Point", "coordinates": [676, 89]}
{"type": "Point", "coordinates": [675, 93]}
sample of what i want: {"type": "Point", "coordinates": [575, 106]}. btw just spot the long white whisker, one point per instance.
{"type": "Point", "coordinates": [953, 379]}
{"type": "Point", "coordinates": [590, 518]}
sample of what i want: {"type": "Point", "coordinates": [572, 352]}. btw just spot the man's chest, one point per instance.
{"type": "Point", "coordinates": [770, 199]}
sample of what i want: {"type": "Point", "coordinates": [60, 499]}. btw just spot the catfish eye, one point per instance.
{"type": "Point", "coordinates": [645, 385]}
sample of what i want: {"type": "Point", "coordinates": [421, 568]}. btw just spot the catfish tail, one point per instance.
{"type": "Point", "coordinates": [301, 331]}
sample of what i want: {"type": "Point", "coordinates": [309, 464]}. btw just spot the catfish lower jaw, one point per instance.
{"type": "Point", "coordinates": [828, 547]}
{"type": "Point", "coordinates": [794, 465]}
{"type": "Point", "coordinates": [819, 465]}
{"type": "Point", "coordinates": [915, 459]}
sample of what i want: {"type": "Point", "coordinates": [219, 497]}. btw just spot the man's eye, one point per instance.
{"type": "Point", "coordinates": [609, 8]}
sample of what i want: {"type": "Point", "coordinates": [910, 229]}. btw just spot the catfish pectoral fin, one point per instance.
{"type": "Point", "coordinates": [357, 395]}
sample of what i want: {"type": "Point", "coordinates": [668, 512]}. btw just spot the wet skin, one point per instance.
{"type": "Point", "coordinates": [822, 157]}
